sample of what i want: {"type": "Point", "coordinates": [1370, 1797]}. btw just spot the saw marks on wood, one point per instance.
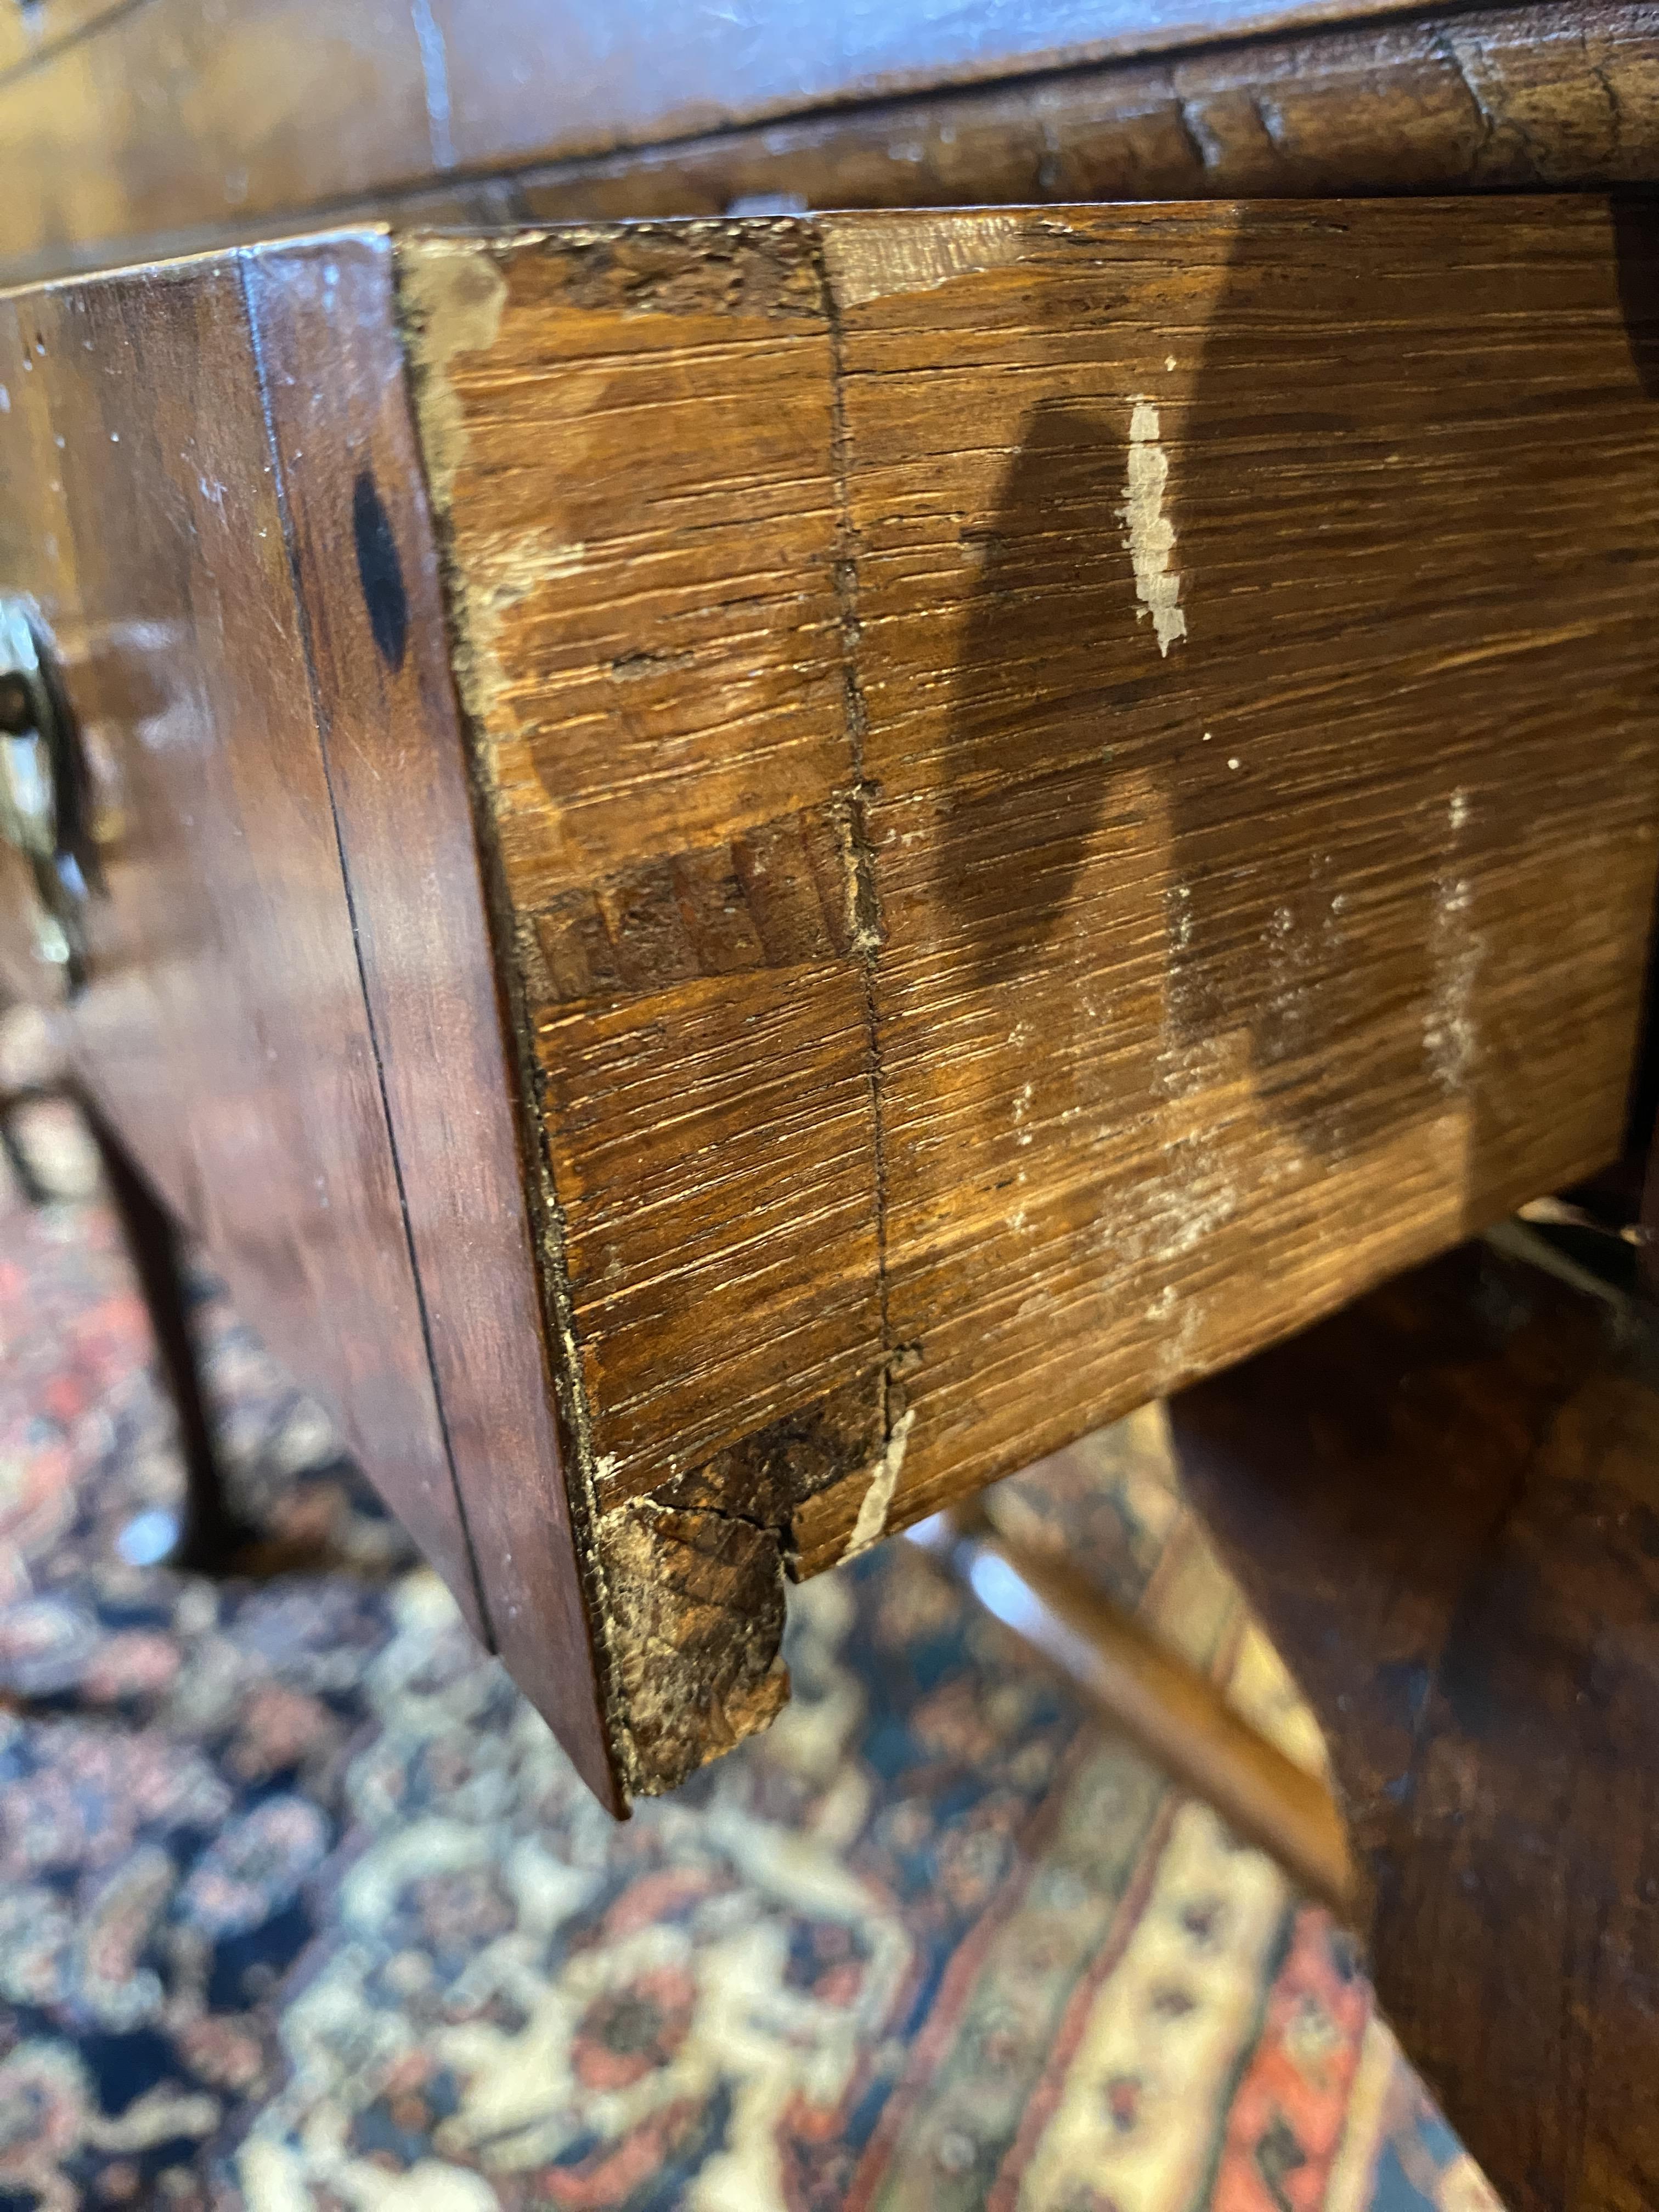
{"type": "Point", "coordinates": [1067, 789]}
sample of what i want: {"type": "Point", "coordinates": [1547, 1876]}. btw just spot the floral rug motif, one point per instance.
{"type": "Point", "coordinates": [303, 1908]}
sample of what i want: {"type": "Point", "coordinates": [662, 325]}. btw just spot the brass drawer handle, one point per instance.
{"type": "Point", "coordinates": [43, 803]}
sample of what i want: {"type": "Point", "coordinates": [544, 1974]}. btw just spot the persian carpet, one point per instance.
{"type": "Point", "coordinates": [303, 1908]}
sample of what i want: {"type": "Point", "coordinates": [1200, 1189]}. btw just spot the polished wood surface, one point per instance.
{"type": "Point", "coordinates": [170, 114]}
{"type": "Point", "coordinates": [1065, 802]}
{"type": "Point", "coordinates": [1534, 97]}
{"type": "Point", "coordinates": [170, 123]}
{"type": "Point", "coordinates": [365, 577]}
{"type": "Point", "coordinates": [1443, 1505]}
{"type": "Point", "coordinates": [254, 647]}
{"type": "Point", "coordinates": [224, 1029]}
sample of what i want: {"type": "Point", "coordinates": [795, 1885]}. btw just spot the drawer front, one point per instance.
{"type": "Point", "coordinates": [224, 1023]}
{"type": "Point", "coordinates": [255, 661]}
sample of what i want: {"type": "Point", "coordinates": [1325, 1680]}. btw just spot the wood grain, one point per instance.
{"type": "Point", "coordinates": [1071, 790]}
{"type": "Point", "coordinates": [223, 1030]}
{"type": "Point", "coordinates": [212, 488]}
{"type": "Point", "coordinates": [167, 128]}
{"type": "Point", "coordinates": [650, 646]}
{"type": "Point", "coordinates": [1443, 1506]}
{"type": "Point", "coordinates": [664, 73]}
{"type": "Point", "coordinates": [1208, 973]}
{"type": "Point", "coordinates": [365, 572]}
{"type": "Point", "coordinates": [1536, 97]}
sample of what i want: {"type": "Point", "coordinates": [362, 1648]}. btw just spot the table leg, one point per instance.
{"type": "Point", "coordinates": [1444, 1505]}
{"type": "Point", "coordinates": [209, 1533]}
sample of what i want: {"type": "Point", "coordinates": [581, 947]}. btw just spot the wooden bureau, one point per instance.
{"type": "Point", "coordinates": [748, 869]}
{"type": "Point", "coordinates": [742, 865]}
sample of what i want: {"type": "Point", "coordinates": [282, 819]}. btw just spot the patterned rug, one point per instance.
{"type": "Point", "coordinates": [303, 1908]}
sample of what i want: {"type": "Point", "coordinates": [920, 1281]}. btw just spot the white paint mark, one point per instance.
{"type": "Point", "coordinates": [1450, 1037]}
{"type": "Point", "coordinates": [1151, 539]}
{"type": "Point", "coordinates": [1023, 1098]}
{"type": "Point", "coordinates": [871, 1524]}
{"type": "Point", "coordinates": [5, 400]}
{"type": "Point", "coordinates": [1181, 934]}
{"type": "Point", "coordinates": [1232, 760]}
{"type": "Point", "coordinates": [1170, 361]}
{"type": "Point", "coordinates": [1198, 1213]}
